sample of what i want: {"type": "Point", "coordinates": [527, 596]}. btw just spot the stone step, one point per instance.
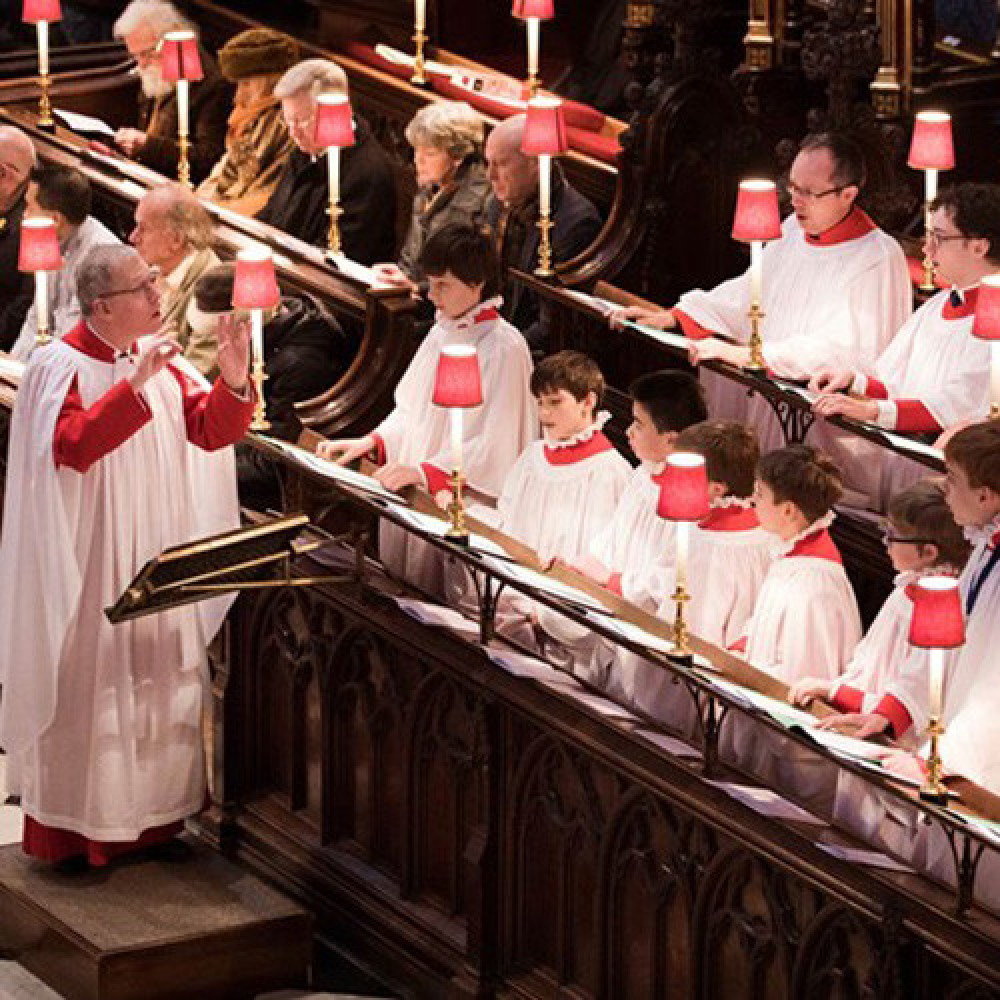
{"type": "Point", "coordinates": [199, 930]}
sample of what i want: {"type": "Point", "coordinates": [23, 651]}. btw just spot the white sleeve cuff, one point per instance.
{"type": "Point", "coordinates": [859, 384]}
{"type": "Point", "coordinates": [888, 414]}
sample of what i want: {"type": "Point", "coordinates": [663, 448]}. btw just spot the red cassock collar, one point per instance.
{"type": "Point", "coordinates": [730, 519]}
{"type": "Point", "coordinates": [87, 342]}
{"type": "Point", "coordinates": [818, 545]}
{"type": "Point", "coordinates": [965, 310]}
{"type": "Point", "coordinates": [574, 453]}
{"type": "Point", "coordinates": [852, 227]}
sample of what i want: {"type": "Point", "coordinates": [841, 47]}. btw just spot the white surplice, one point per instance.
{"type": "Point", "coordinates": [417, 432]}
{"type": "Point", "coordinates": [832, 301]}
{"type": "Point", "coordinates": [64, 307]}
{"type": "Point", "coordinates": [103, 722]}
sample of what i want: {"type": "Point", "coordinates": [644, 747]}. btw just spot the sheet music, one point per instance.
{"type": "Point", "coordinates": [11, 368]}
{"type": "Point", "coordinates": [84, 123]}
{"type": "Point", "coordinates": [398, 58]}
{"type": "Point", "coordinates": [547, 584]}
{"type": "Point", "coordinates": [861, 856]}
{"type": "Point", "coordinates": [787, 715]}
{"type": "Point", "coordinates": [674, 340]}
{"type": "Point", "coordinates": [845, 746]}
{"type": "Point", "coordinates": [433, 614]}
{"type": "Point", "coordinates": [904, 443]}
{"type": "Point", "coordinates": [435, 526]}
{"type": "Point", "coordinates": [767, 803]}
{"type": "Point", "coordinates": [797, 390]}
{"type": "Point", "coordinates": [604, 306]}
{"type": "Point", "coordinates": [352, 269]}
{"type": "Point", "coordinates": [330, 470]}
{"type": "Point", "coordinates": [634, 633]}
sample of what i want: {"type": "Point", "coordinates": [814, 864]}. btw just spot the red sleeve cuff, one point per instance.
{"type": "Point", "coordinates": [614, 584]}
{"type": "Point", "coordinates": [83, 437]}
{"type": "Point", "coordinates": [913, 417]}
{"type": "Point", "coordinates": [891, 708]}
{"type": "Point", "coordinates": [740, 646]}
{"type": "Point", "coordinates": [848, 699]}
{"type": "Point", "coordinates": [691, 328]}
{"type": "Point", "coordinates": [437, 479]}
{"type": "Point", "coordinates": [379, 449]}
{"type": "Point", "coordinates": [874, 389]}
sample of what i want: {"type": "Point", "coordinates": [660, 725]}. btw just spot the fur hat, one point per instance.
{"type": "Point", "coordinates": [257, 52]}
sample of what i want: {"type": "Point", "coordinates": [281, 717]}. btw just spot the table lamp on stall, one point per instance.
{"type": "Point", "coordinates": [544, 137]}
{"type": "Point", "coordinates": [986, 326]}
{"type": "Point", "coordinates": [41, 13]}
{"type": "Point", "coordinates": [937, 624]}
{"type": "Point", "coordinates": [255, 288]}
{"type": "Point", "coordinates": [757, 220]}
{"type": "Point", "coordinates": [684, 500]}
{"type": "Point", "coordinates": [181, 65]}
{"type": "Point", "coordinates": [533, 12]}
{"type": "Point", "coordinates": [931, 150]}
{"type": "Point", "coordinates": [334, 130]}
{"type": "Point", "coordinates": [38, 254]}
{"type": "Point", "coordinates": [458, 386]}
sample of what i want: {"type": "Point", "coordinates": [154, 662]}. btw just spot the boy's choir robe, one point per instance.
{"type": "Point", "coordinates": [417, 432]}
{"type": "Point", "coordinates": [833, 300]}
{"type": "Point", "coordinates": [728, 558]}
{"type": "Point", "coordinates": [102, 723]}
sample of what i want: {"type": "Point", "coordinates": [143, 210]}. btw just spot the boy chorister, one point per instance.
{"type": "Point", "coordinates": [412, 443]}
{"type": "Point", "coordinates": [806, 619]}
{"type": "Point", "coordinates": [728, 559]}
{"type": "Point", "coordinates": [884, 689]}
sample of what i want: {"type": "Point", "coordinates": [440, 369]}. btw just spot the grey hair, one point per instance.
{"type": "Point", "coordinates": [158, 15]}
{"type": "Point", "coordinates": [316, 76]}
{"type": "Point", "coordinates": [185, 214]}
{"type": "Point", "coordinates": [95, 274]}
{"type": "Point", "coordinates": [451, 126]}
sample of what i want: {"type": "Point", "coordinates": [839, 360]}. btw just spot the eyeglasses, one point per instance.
{"type": "Point", "coordinates": [796, 192]}
{"type": "Point", "coordinates": [147, 286]}
{"type": "Point", "coordinates": [936, 236]}
{"type": "Point", "coordinates": [890, 538]}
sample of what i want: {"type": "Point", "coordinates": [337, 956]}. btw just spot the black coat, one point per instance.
{"type": "Point", "coordinates": [17, 290]}
{"type": "Point", "coordinates": [575, 225]}
{"type": "Point", "coordinates": [367, 196]}
{"type": "Point", "coordinates": [211, 102]}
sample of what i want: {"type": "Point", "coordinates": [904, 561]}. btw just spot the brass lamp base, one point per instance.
{"type": "Point", "coordinates": [259, 377]}
{"type": "Point", "coordinates": [419, 68]}
{"type": "Point", "coordinates": [544, 269]}
{"type": "Point", "coordinates": [459, 531]}
{"type": "Point", "coordinates": [681, 636]}
{"type": "Point", "coordinates": [334, 211]}
{"type": "Point", "coordinates": [756, 362]}
{"type": "Point", "coordinates": [934, 791]}
{"type": "Point", "coordinates": [45, 119]}
{"type": "Point", "coordinates": [42, 337]}
{"type": "Point", "coordinates": [183, 163]}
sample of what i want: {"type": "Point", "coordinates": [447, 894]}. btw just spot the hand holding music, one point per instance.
{"type": "Point", "coordinates": [130, 141]}
{"type": "Point", "coordinates": [831, 380]}
{"type": "Point", "coordinates": [838, 405]}
{"type": "Point", "coordinates": [396, 477]}
{"type": "Point", "coordinates": [346, 450]}
{"type": "Point", "coordinates": [661, 319]}
{"type": "Point", "coordinates": [807, 690]}
{"type": "Point", "coordinates": [860, 725]}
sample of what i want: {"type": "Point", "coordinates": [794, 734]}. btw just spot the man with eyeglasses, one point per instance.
{"type": "Point", "coordinates": [141, 27]}
{"type": "Point", "coordinates": [17, 158]}
{"type": "Point", "coordinates": [118, 450]}
{"type": "Point", "coordinates": [836, 288]}
{"type": "Point", "coordinates": [934, 375]}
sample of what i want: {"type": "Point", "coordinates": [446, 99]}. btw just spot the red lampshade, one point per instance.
{"type": "Point", "coordinates": [757, 214]}
{"type": "Point", "coordinates": [544, 128]}
{"type": "Point", "coordinates": [931, 147]}
{"type": "Point", "coordinates": [937, 621]}
{"type": "Point", "coordinates": [41, 10]}
{"type": "Point", "coordinates": [457, 382]}
{"type": "Point", "coordinates": [986, 324]}
{"type": "Point", "coordinates": [684, 488]}
{"type": "Point", "coordinates": [334, 125]}
{"type": "Point", "coordinates": [254, 284]}
{"type": "Point", "coordinates": [39, 249]}
{"type": "Point", "coordinates": [544, 10]}
{"type": "Point", "coordinates": [179, 58]}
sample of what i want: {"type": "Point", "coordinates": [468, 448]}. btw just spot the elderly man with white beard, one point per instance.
{"type": "Point", "coordinates": [141, 27]}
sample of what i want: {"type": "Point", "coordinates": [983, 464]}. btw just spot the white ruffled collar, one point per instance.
{"type": "Point", "coordinates": [467, 320]}
{"type": "Point", "coordinates": [585, 435]}
{"type": "Point", "coordinates": [720, 503]}
{"type": "Point", "coordinates": [976, 533]}
{"type": "Point", "coordinates": [821, 524]}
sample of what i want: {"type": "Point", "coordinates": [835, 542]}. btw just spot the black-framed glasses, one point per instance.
{"type": "Point", "coordinates": [889, 537]}
{"type": "Point", "coordinates": [936, 236]}
{"type": "Point", "coordinates": [796, 192]}
{"type": "Point", "coordinates": [146, 286]}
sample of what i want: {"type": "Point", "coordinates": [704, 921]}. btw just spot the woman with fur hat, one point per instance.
{"type": "Point", "coordinates": [257, 141]}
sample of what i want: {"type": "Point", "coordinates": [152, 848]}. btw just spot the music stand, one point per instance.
{"type": "Point", "coordinates": [243, 559]}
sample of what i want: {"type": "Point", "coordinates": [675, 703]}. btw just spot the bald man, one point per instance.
{"type": "Point", "coordinates": [17, 158]}
{"type": "Point", "coordinates": [512, 213]}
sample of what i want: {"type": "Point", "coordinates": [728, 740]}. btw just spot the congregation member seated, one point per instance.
{"type": "Point", "coordinates": [305, 352]}
{"type": "Point", "coordinates": [836, 289]}
{"type": "Point", "coordinates": [257, 141]}
{"type": "Point", "coordinates": [17, 158]}
{"type": "Point", "coordinates": [805, 621]}
{"type": "Point", "coordinates": [935, 374]}
{"type": "Point", "coordinates": [512, 213]}
{"type": "Point", "coordinates": [62, 194]}
{"type": "Point", "coordinates": [884, 688]}
{"type": "Point", "coordinates": [728, 558]}
{"type": "Point", "coordinates": [300, 201]}
{"type": "Point", "coordinates": [452, 186]}
{"type": "Point", "coordinates": [173, 233]}
{"type": "Point", "coordinates": [411, 445]}
{"type": "Point", "coordinates": [153, 143]}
